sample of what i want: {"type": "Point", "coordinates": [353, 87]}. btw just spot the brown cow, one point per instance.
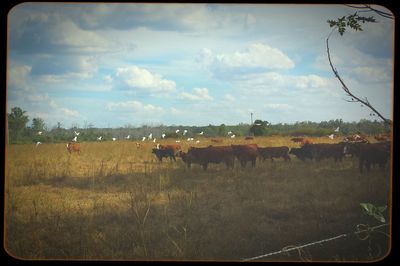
{"type": "Point", "coordinates": [297, 139]}
{"type": "Point", "coordinates": [356, 139]}
{"type": "Point", "coordinates": [382, 137]}
{"type": "Point", "coordinates": [306, 141]}
{"type": "Point", "coordinates": [246, 152]}
{"type": "Point", "coordinates": [174, 147]}
{"type": "Point", "coordinates": [73, 147]}
{"type": "Point", "coordinates": [271, 152]}
{"type": "Point", "coordinates": [210, 154]}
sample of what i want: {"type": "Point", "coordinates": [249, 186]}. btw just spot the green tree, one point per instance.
{"type": "Point", "coordinates": [222, 130]}
{"type": "Point", "coordinates": [38, 124]}
{"type": "Point", "coordinates": [17, 121]}
{"type": "Point", "coordinates": [259, 128]}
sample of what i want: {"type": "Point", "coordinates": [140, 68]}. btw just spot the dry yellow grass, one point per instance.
{"type": "Point", "coordinates": [114, 201]}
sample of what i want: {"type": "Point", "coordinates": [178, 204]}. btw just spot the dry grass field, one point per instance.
{"type": "Point", "coordinates": [117, 202]}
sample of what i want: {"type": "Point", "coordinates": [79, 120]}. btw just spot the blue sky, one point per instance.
{"type": "Point", "coordinates": [112, 65]}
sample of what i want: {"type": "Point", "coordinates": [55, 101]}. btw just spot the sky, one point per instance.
{"type": "Point", "coordinates": [130, 64]}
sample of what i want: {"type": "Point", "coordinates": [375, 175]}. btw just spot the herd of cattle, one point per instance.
{"type": "Point", "coordinates": [368, 154]}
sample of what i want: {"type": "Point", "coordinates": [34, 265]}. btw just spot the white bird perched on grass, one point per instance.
{"type": "Point", "coordinates": [114, 139]}
{"type": "Point", "coordinates": [190, 139]}
{"type": "Point", "coordinates": [144, 138]}
{"type": "Point", "coordinates": [184, 132]}
{"type": "Point", "coordinates": [150, 136]}
{"type": "Point", "coordinates": [40, 133]}
{"type": "Point", "coordinates": [75, 139]}
{"type": "Point", "coordinates": [154, 140]}
{"type": "Point", "coordinates": [331, 136]}
{"type": "Point", "coordinates": [233, 136]}
{"type": "Point", "coordinates": [128, 137]}
{"type": "Point", "coordinates": [77, 133]}
{"type": "Point", "coordinates": [99, 138]}
{"type": "Point", "coordinates": [176, 131]}
{"type": "Point", "coordinates": [197, 141]}
{"type": "Point", "coordinates": [38, 143]}
{"type": "Point", "coordinates": [201, 133]}
{"type": "Point", "coordinates": [158, 146]}
{"type": "Point", "coordinates": [337, 129]}
{"type": "Point", "coordinates": [177, 141]}
{"type": "Point", "coordinates": [230, 132]}
{"type": "Point", "coordinates": [163, 135]}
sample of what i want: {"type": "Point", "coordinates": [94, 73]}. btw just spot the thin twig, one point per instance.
{"type": "Point", "coordinates": [346, 89]}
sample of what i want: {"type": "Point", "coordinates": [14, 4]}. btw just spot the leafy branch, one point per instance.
{"type": "Point", "coordinates": [353, 22]}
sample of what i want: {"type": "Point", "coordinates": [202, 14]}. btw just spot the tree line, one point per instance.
{"type": "Point", "coordinates": [20, 132]}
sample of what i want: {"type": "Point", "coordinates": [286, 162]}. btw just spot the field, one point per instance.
{"type": "Point", "coordinates": [117, 202]}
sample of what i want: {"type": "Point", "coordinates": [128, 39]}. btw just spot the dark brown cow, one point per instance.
{"type": "Point", "coordinates": [324, 150]}
{"type": "Point", "coordinates": [73, 147]}
{"type": "Point", "coordinates": [297, 139]}
{"type": "Point", "coordinates": [161, 153]}
{"type": "Point", "coordinates": [301, 153]}
{"type": "Point", "coordinates": [245, 153]}
{"type": "Point", "coordinates": [369, 154]}
{"type": "Point", "coordinates": [210, 154]}
{"type": "Point", "coordinates": [271, 152]}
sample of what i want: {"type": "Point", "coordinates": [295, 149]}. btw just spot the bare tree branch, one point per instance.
{"type": "Point", "coordinates": [368, 8]}
{"type": "Point", "coordinates": [347, 90]}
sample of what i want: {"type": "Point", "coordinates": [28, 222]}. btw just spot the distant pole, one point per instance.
{"type": "Point", "coordinates": [251, 115]}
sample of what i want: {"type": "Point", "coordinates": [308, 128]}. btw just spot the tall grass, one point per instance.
{"type": "Point", "coordinates": [114, 201]}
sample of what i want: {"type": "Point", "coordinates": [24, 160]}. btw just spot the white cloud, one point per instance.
{"type": "Point", "coordinates": [308, 81]}
{"type": "Point", "coordinates": [108, 79]}
{"type": "Point", "coordinates": [255, 58]}
{"type": "Point", "coordinates": [133, 106]}
{"type": "Point", "coordinates": [278, 106]}
{"type": "Point", "coordinates": [257, 55]}
{"type": "Point", "coordinates": [371, 74]}
{"type": "Point", "coordinates": [18, 77]}
{"type": "Point", "coordinates": [139, 78]}
{"type": "Point", "coordinates": [228, 97]}
{"type": "Point", "coordinates": [198, 94]}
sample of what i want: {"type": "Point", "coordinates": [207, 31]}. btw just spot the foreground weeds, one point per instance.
{"type": "Point", "coordinates": [124, 205]}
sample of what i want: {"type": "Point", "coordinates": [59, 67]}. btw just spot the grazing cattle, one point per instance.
{"type": "Point", "coordinates": [73, 147]}
{"type": "Point", "coordinates": [356, 139]}
{"type": "Point", "coordinates": [161, 153]}
{"type": "Point", "coordinates": [210, 154]}
{"type": "Point", "coordinates": [306, 141]}
{"type": "Point", "coordinates": [174, 147]}
{"type": "Point", "coordinates": [271, 152]}
{"type": "Point", "coordinates": [245, 153]}
{"type": "Point", "coordinates": [249, 138]}
{"type": "Point", "coordinates": [324, 150]}
{"type": "Point", "coordinates": [382, 137]}
{"type": "Point", "coordinates": [369, 154]}
{"type": "Point", "coordinates": [301, 153]}
{"type": "Point", "coordinates": [297, 139]}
